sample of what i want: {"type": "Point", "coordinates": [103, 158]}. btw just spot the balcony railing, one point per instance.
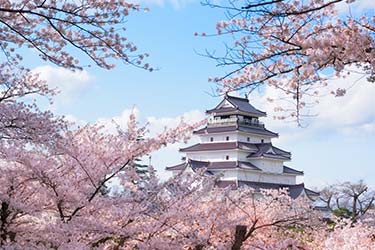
{"type": "Point", "coordinates": [247, 122]}
{"type": "Point", "coordinates": [222, 122]}
{"type": "Point", "coordinates": [234, 121]}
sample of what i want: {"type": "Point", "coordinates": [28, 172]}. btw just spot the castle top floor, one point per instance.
{"type": "Point", "coordinates": [234, 111]}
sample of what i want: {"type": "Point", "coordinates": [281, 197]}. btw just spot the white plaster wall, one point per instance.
{"type": "Point", "coordinates": [228, 174]}
{"type": "Point", "coordinates": [219, 137]}
{"type": "Point", "coordinates": [242, 156]}
{"type": "Point", "coordinates": [226, 104]}
{"type": "Point", "coordinates": [234, 155]}
{"type": "Point", "coordinates": [253, 138]}
{"type": "Point", "coordinates": [272, 166]}
{"type": "Point", "coordinates": [213, 155]}
{"type": "Point", "coordinates": [234, 137]}
{"type": "Point", "coordinates": [258, 177]}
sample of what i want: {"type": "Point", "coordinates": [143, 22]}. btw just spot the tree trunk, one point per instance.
{"type": "Point", "coordinates": [354, 208]}
{"type": "Point", "coordinates": [239, 237]}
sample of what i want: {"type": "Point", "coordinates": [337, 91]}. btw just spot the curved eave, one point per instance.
{"type": "Point", "coordinates": [235, 111]}
{"type": "Point", "coordinates": [271, 157]}
{"type": "Point", "coordinates": [310, 192]}
{"type": "Point", "coordinates": [247, 130]}
{"type": "Point", "coordinates": [291, 171]}
{"type": "Point", "coordinates": [294, 190]}
{"type": "Point", "coordinates": [220, 146]}
{"type": "Point", "coordinates": [177, 167]}
{"type": "Point", "coordinates": [282, 151]}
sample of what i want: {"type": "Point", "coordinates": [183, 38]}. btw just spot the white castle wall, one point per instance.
{"type": "Point", "coordinates": [272, 166]}
{"type": "Point", "coordinates": [257, 177]}
{"type": "Point", "coordinates": [236, 136]}
{"type": "Point", "coordinates": [253, 138]}
{"type": "Point", "coordinates": [234, 155]}
{"type": "Point", "coordinates": [218, 137]}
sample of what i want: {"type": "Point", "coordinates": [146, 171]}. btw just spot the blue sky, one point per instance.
{"type": "Point", "coordinates": [337, 145]}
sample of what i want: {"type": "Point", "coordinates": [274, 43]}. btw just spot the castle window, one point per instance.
{"type": "Point", "coordinates": [211, 139]}
{"type": "Point", "coordinates": [262, 141]}
{"type": "Point", "coordinates": [227, 157]}
{"type": "Point", "coordinates": [248, 139]}
{"type": "Point", "coordinates": [227, 138]}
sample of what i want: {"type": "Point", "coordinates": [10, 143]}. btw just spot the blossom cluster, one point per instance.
{"type": "Point", "coordinates": [294, 46]}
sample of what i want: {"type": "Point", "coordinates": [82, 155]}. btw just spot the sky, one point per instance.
{"type": "Point", "coordinates": [336, 145]}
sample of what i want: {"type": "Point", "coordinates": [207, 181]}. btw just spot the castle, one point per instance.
{"type": "Point", "coordinates": [236, 146]}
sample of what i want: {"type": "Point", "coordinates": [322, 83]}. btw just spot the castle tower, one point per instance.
{"type": "Point", "coordinates": [236, 145]}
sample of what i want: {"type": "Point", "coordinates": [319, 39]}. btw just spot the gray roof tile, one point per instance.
{"type": "Point", "coordinates": [214, 165]}
{"type": "Point", "coordinates": [246, 129]}
{"type": "Point", "coordinates": [288, 170]}
{"type": "Point", "coordinates": [240, 104]}
{"type": "Point", "coordinates": [294, 190]}
{"type": "Point", "coordinates": [269, 151]}
{"type": "Point", "coordinates": [213, 146]}
{"type": "Point", "coordinates": [180, 166]}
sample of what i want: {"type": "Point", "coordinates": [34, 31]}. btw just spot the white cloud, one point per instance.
{"type": "Point", "coordinates": [165, 156]}
{"type": "Point", "coordinates": [355, 111]}
{"type": "Point", "coordinates": [364, 129]}
{"type": "Point", "coordinates": [74, 120]}
{"type": "Point", "coordinates": [70, 84]}
{"type": "Point", "coordinates": [357, 7]}
{"type": "Point", "coordinates": [157, 125]}
{"type": "Point", "coordinates": [169, 155]}
{"type": "Point", "coordinates": [121, 120]}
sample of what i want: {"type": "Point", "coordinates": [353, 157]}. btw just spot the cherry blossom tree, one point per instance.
{"type": "Point", "coordinates": [52, 174]}
{"type": "Point", "coordinates": [293, 46]}
{"type": "Point", "coordinates": [57, 182]}
{"type": "Point", "coordinates": [350, 200]}
{"type": "Point", "coordinates": [55, 29]}
{"type": "Point", "coordinates": [52, 198]}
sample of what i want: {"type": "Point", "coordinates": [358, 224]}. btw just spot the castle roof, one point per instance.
{"type": "Point", "coordinates": [256, 150]}
{"type": "Point", "coordinates": [294, 190]}
{"type": "Point", "coordinates": [237, 105]}
{"type": "Point", "coordinates": [213, 146]}
{"type": "Point", "coordinates": [214, 165]}
{"type": "Point", "coordinates": [267, 150]}
{"type": "Point", "coordinates": [220, 165]}
{"type": "Point", "coordinates": [288, 170]}
{"type": "Point", "coordinates": [245, 129]}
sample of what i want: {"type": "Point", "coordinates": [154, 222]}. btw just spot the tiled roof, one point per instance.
{"type": "Point", "coordinates": [240, 104]}
{"type": "Point", "coordinates": [207, 130]}
{"type": "Point", "coordinates": [247, 165]}
{"type": "Point", "coordinates": [256, 149]}
{"type": "Point", "coordinates": [246, 129]}
{"type": "Point", "coordinates": [213, 146]}
{"type": "Point", "coordinates": [231, 164]}
{"type": "Point", "coordinates": [180, 166]}
{"type": "Point", "coordinates": [257, 130]}
{"type": "Point", "coordinates": [294, 190]}
{"type": "Point", "coordinates": [269, 151]}
{"type": "Point", "coordinates": [214, 165]}
{"type": "Point", "coordinates": [288, 170]}
{"type": "Point", "coordinates": [310, 192]}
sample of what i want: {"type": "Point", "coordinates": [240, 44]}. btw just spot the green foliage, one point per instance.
{"type": "Point", "coordinates": [342, 212]}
